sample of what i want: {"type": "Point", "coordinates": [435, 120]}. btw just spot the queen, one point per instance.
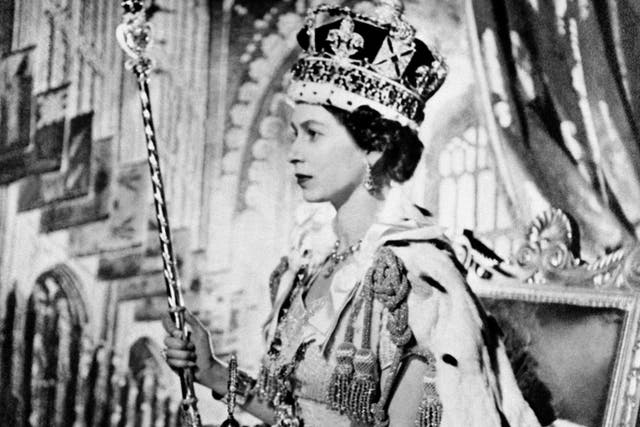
{"type": "Point", "coordinates": [373, 323]}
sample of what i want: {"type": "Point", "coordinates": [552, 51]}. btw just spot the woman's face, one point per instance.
{"type": "Point", "coordinates": [328, 165]}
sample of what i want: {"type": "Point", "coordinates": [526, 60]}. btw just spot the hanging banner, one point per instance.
{"type": "Point", "coordinates": [93, 208]}
{"type": "Point", "coordinates": [48, 141]}
{"type": "Point", "coordinates": [15, 100]}
{"type": "Point", "coordinates": [121, 240]}
{"type": "Point", "coordinates": [72, 182]}
{"type": "Point", "coordinates": [148, 282]}
{"type": "Point", "coordinates": [130, 210]}
{"type": "Point", "coordinates": [77, 175]}
{"type": "Point", "coordinates": [44, 152]}
{"type": "Point", "coordinates": [16, 86]}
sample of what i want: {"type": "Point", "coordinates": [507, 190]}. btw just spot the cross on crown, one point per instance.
{"type": "Point", "coordinates": [395, 72]}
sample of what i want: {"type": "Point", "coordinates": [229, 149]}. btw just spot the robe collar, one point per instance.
{"type": "Point", "coordinates": [398, 219]}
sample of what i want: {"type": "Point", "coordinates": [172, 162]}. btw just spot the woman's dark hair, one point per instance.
{"type": "Point", "coordinates": [401, 149]}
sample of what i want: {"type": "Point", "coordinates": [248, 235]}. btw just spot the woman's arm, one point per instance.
{"type": "Point", "coordinates": [197, 353]}
{"type": "Point", "coordinates": [216, 378]}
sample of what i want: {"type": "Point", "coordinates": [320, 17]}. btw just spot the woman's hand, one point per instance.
{"type": "Point", "coordinates": [196, 352]}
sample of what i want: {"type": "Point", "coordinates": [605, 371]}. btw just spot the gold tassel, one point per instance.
{"type": "Point", "coordinates": [340, 381]}
{"type": "Point", "coordinates": [430, 409]}
{"type": "Point", "coordinates": [364, 387]}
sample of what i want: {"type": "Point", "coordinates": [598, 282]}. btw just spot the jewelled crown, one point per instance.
{"type": "Point", "coordinates": [368, 57]}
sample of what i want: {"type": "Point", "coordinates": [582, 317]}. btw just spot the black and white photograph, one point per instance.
{"type": "Point", "coordinates": [319, 213]}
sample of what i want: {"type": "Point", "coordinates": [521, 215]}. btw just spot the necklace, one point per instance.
{"type": "Point", "coordinates": [336, 258]}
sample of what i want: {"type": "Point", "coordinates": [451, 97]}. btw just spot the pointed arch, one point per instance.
{"type": "Point", "coordinates": [145, 354]}
{"type": "Point", "coordinates": [146, 366]}
{"type": "Point", "coordinates": [55, 317]}
{"type": "Point", "coordinates": [7, 399]}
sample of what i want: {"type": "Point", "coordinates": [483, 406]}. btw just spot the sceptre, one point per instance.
{"type": "Point", "coordinates": [133, 35]}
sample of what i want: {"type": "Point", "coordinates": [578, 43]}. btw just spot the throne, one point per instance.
{"type": "Point", "coordinates": [570, 326]}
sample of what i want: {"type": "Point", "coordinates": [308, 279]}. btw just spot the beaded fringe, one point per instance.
{"type": "Point", "coordinates": [363, 392]}
{"type": "Point", "coordinates": [354, 387]}
{"type": "Point", "coordinates": [364, 387]}
{"type": "Point", "coordinates": [430, 409]}
{"type": "Point", "coordinates": [340, 382]}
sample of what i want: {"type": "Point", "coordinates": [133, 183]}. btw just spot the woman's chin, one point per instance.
{"type": "Point", "coordinates": [311, 197]}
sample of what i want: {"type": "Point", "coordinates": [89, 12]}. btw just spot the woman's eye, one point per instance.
{"type": "Point", "coordinates": [312, 134]}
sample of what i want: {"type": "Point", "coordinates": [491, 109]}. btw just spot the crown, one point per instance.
{"type": "Point", "coordinates": [366, 58]}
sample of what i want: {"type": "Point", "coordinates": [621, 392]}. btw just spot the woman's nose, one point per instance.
{"type": "Point", "coordinates": [294, 154]}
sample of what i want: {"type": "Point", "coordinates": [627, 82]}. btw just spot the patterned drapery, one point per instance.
{"type": "Point", "coordinates": [560, 85]}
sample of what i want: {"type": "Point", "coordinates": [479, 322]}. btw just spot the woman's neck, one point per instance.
{"type": "Point", "coordinates": [356, 215]}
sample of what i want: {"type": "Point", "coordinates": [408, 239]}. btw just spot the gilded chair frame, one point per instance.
{"type": "Point", "coordinates": [547, 269]}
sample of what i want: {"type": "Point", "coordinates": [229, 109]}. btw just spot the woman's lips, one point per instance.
{"type": "Point", "coordinates": [302, 179]}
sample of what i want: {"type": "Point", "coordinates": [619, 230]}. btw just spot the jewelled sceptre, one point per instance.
{"type": "Point", "coordinates": [134, 37]}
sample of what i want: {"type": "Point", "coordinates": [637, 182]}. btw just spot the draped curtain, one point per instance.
{"type": "Point", "coordinates": [560, 89]}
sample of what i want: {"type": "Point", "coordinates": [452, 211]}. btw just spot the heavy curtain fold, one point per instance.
{"type": "Point", "coordinates": [560, 85]}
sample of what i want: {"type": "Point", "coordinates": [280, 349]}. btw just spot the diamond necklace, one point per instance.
{"type": "Point", "coordinates": [336, 258]}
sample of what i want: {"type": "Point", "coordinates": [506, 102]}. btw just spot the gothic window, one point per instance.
{"type": "Point", "coordinates": [52, 335]}
{"type": "Point", "coordinates": [144, 397]}
{"type": "Point", "coordinates": [100, 390]}
{"type": "Point", "coordinates": [7, 397]}
{"type": "Point", "coordinates": [469, 195]}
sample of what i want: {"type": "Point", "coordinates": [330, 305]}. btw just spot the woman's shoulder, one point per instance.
{"type": "Point", "coordinates": [428, 257]}
{"type": "Point", "coordinates": [436, 292]}
{"type": "Point", "coordinates": [413, 234]}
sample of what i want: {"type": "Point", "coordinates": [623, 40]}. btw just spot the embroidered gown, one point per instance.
{"type": "Point", "coordinates": [400, 296]}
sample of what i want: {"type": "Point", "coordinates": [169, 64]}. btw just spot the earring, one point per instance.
{"type": "Point", "coordinates": [368, 183]}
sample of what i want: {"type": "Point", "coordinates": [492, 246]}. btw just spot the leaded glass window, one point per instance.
{"type": "Point", "coordinates": [470, 195]}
